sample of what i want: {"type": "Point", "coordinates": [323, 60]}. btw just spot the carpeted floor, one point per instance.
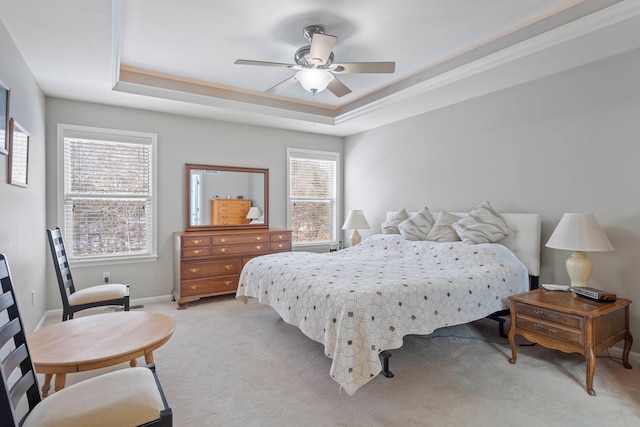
{"type": "Point", "coordinates": [230, 364]}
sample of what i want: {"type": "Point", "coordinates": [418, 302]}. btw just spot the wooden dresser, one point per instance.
{"type": "Point", "coordinates": [208, 263]}
{"type": "Point", "coordinates": [229, 211]}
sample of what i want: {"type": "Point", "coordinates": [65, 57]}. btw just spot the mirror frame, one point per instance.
{"type": "Point", "coordinates": [208, 227]}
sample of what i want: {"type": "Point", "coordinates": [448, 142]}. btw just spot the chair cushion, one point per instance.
{"type": "Point", "coordinates": [128, 397]}
{"type": "Point", "coordinates": [98, 293]}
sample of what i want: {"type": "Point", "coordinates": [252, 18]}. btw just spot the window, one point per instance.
{"type": "Point", "coordinates": [107, 194]}
{"type": "Point", "coordinates": [313, 178]}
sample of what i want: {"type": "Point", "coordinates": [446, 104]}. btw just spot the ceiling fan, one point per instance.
{"type": "Point", "coordinates": [315, 67]}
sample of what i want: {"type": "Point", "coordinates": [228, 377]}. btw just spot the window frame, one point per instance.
{"type": "Point", "coordinates": [114, 135]}
{"type": "Point", "coordinates": [324, 155]}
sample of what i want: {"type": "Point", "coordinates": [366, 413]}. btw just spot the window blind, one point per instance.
{"type": "Point", "coordinates": [312, 195]}
{"type": "Point", "coordinates": [107, 198]}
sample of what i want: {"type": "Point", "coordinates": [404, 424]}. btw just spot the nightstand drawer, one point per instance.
{"type": "Point", "coordinates": [551, 330]}
{"type": "Point", "coordinates": [549, 315]}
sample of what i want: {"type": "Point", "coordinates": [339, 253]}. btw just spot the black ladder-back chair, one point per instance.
{"type": "Point", "coordinates": [19, 381]}
{"type": "Point", "coordinates": [96, 296]}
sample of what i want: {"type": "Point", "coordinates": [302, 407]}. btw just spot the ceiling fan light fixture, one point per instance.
{"type": "Point", "coordinates": [314, 80]}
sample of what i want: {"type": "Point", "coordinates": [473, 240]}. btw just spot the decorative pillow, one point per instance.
{"type": "Point", "coordinates": [482, 225]}
{"type": "Point", "coordinates": [390, 226]}
{"type": "Point", "coordinates": [442, 230]}
{"type": "Point", "coordinates": [418, 226]}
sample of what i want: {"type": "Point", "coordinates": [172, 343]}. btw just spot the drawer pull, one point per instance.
{"type": "Point", "coordinates": [194, 270]}
{"type": "Point", "coordinates": [223, 240]}
{"type": "Point", "coordinates": [541, 313]}
{"type": "Point", "coordinates": [196, 241]}
{"type": "Point", "coordinates": [259, 238]}
{"type": "Point", "coordinates": [196, 251]}
{"type": "Point", "coordinates": [223, 250]}
{"type": "Point", "coordinates": [280, 245]}
{"type": "Point", "coordinates": [194, 287]}
{"type": "Point", "coordinates": [280, 236]}
{"type": "Point", "coordinates": [541, 328]}
{"type": "Point", "coordinates": [228, 266]}
{"type": "Point", "coordinates": [258, 247]}
{"type": "Point", "coordinates": [228, 282]}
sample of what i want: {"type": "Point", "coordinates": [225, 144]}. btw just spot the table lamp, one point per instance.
{"type": "Point", "coordinates": [356, 220]}
{"type": "Point", "coordinates": [254, 214]}
{"type": "Point", "coordinates": [579, 232]}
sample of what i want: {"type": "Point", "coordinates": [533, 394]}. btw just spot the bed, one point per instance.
{"type": "Point", "coordinates": [361, 301]}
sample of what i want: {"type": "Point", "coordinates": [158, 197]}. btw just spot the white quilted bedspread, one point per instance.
{"type": "Point", "coordinates": [363, 300]}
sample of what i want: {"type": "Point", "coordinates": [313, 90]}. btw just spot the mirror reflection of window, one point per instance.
{"type": "Point", "coordinates": [196, 197]}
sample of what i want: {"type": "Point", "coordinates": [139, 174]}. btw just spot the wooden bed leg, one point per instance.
{"type": "Point", "coordinates": [385, 355]}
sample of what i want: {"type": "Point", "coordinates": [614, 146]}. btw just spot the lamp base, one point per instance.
{"type": "Point", "coordinates": [579, 268]}
{"type": "Point", "coordinates": [355, 238]}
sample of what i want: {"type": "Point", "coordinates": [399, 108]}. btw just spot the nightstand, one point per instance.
{"type": "Point", "coordinates": [572, 324]}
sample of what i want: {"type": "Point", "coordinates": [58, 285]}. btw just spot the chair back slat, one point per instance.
{"type": "Point", "coordinates": [61, 264]}
{"type": "Point", "coordinates": [18, 376]}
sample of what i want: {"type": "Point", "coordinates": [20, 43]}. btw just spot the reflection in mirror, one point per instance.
{"type": "Point", "coordinates": [226, 197]}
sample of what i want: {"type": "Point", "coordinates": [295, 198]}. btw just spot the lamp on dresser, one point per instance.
{"type": "Point", "coordinates": [255, 215]}
{"type": "Point", "coordinates": [580, 233]}
{"type": "Point", "coordinates": [356, 220]}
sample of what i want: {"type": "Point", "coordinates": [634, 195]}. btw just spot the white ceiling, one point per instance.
{"type": "Point", "coordinates": [177, 56]}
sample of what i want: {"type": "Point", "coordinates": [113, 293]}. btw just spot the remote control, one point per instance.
{"type": "Point", "coordinates": [550, 287]}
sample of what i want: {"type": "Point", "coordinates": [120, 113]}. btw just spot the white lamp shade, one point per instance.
{"type": "Point", "coordinates": [314, 80]}
{"type": "Point", "coordinates": [356, 220]}
{"type": "Point", "coordinates": [579, 232]}
{"type": "Point", "coordinates": [254, 212]}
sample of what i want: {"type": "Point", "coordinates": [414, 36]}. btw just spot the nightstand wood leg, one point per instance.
{"type": "Point", "coordinates": [591, 369]}
{"type": "Point", "coordinates": [628, 340]}
{"type": "Point", "coordinates": [512, 339]}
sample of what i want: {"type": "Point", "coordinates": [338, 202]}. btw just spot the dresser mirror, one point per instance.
{"type": "Point", "coordinates": [226, 197]}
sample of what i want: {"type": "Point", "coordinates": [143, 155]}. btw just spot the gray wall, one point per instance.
{"type": "Point", "coordinates": [22, 235]}
{"type": "Point", "coordinates": [566, 143]}
{"type": "Point", "coordinates": [180, 140]}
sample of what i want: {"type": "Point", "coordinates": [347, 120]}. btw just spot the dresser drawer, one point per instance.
{"type": "Point", "coordinates": [246, 248]}
{"type": "Point", "coordinates": [551, 330]}
{"type": "Point", "coordinates": [195, 252]}
{"type": "Point", "coordinates": [232, 239]}
{"type": "Point", "coordinates": [199, 270]}
{"type": "Point", "coordinates": [196, 241]}
{"type": "Point", "coordinates": [210, 286]}
{"type": "Point", "coordinates": [284, 245]}
{"type": "Point", "coordinates": [549, 315]}
{"type": "Point", "coordinates": [276, 237]}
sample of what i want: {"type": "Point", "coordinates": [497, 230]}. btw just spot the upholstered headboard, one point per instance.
{"type": "Point", "coordinates": [524, 241]}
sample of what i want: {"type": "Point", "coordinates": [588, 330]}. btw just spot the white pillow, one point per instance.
{"type": "Point", "coordinates": [390, 226]}
{"type": "Point", "coordinates": [482, 225]}
{"type": "Point", "coordinates": [442, 230]}
{"type": "Point", "coordinates": [418, 226]}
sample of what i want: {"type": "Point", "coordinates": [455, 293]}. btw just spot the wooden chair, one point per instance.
{"type": "Point", "coordinates": [130, 396]}
{"type": "Point", "coordinates": [75, 300]}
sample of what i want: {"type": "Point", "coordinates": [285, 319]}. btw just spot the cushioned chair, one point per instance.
{"type": "Point", "coordinates": [75, 300]}
{"type": "Point", "coordinates": [127, 397]}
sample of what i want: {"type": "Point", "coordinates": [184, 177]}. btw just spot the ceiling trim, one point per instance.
{"type": "Point", "coordinates": [537, 37]}
{"type": "Point", "coordinates": [451, 71]}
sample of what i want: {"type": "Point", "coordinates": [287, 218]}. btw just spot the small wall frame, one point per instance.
{"type": "Point", "coordinates": [4, 117]}
{"type": "Point", "coordinates": [18, 154]}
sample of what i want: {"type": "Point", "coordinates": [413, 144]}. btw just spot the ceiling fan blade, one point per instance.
{"type": "Point", "coordinates": [282, 85]}
{"type": "Point", "coordinates": [364, 67]}
{"type": "Point", "coordinates": [321, 47]}
{"type": "Point", "coordinates": [338, 88]}
{"type": "Point", "coordinates": [262, 63]}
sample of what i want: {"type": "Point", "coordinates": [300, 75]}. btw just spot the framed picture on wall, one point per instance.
{"type": "Point", "coordinates": [4, 117]}
{"type": "Point", "coordinates": [18, 154]}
